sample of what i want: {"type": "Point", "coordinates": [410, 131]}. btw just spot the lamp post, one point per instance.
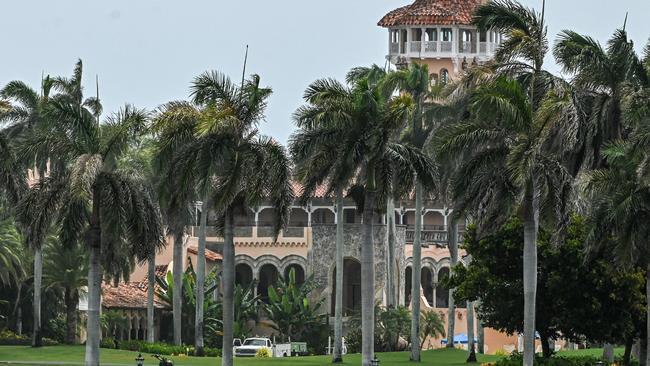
{"type": "Point", "coordinates": [139, 360]}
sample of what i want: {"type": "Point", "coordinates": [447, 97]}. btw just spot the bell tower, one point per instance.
{"type": "Point", "coordinates": [440, 34]}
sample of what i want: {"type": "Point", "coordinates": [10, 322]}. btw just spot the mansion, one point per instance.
{"type": "Point", "coordinates": [434, 32]}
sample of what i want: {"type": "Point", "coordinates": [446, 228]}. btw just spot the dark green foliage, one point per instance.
{"type": "Point", "coordinates": [9, 338]}
{"type": "Point", "coordinates": [578, 296]}
{"type": "Point", "coordinates": [166, 294]}
{"type": "Point", "coordinates": [392, 324]}
{"type": "Point", "coordinates": [290, 309]}
{"type": "Point", "coordinates": [246, 310]}
{"type": "Point", "coordinates": [155, 348]}
{"type": "Point", "coordinates": [516, 359]}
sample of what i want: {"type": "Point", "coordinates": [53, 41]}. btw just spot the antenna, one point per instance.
{"type": "Point", "coordinates": [625, 22]}
{"type": "Point", "coordinates": [97, 85]}
{"type": "Point", "coordinates": [243, 75]}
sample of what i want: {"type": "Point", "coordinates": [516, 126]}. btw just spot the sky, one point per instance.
{"type": "Point", "coordinates": [146, 52]}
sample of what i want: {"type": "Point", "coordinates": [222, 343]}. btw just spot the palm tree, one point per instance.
{"type": "Point", "coordinates": [510, 164]}
{"type": "Point", "coordinates": [235, 166]}
{"type": "Point", "coordinates": [65, 271]}
{"type": "Point", "coordinates": [174, 126]}
{"type": "Point", "coordinates": [414, 80]}
{"type": "Point", "coordinates": [601, 76]}
{"type": "Point", "coordinates": [432, 326]}
{"type": "Point", "coordinates": [361, 121]}
{"type": "Point", "coordinates": [26, 111]}
{"type": "Point", "coordinates": [117, 216]}
{"type": "Point", "coordinates": [11, 263]}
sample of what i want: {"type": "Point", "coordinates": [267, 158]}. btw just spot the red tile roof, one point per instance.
{"type": "Point", "coordinates": [132, 295]}
{"type": "Point", "coordinates": [320, 192]}
{"type": "Point", "coordinates": [432, 12]}
{"type": "Point", "coordinates": [209, 255]}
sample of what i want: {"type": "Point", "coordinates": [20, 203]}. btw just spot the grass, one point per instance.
{"type": "Point", "coordinates": [65, 354]}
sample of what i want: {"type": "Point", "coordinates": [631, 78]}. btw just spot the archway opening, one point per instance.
{"type": "Point", "coordinates": [408, 284]}
{"type": "Point", "coordinates": [243, 275]}
{"type": "Point", "coordinates": [298, 218]}
{"type": "Point", "coordinates": [322, 216]}
{"type": "Point", "coordinates": [268, 277]}
{"type": "Point", "coordinates": [427, 284]}
{"type": "Point", "coordinates": [351, 287]}
{"type": "Point", "coordinates": [442, 291]}
{"type": "Point", "coordinates": [300, 273]}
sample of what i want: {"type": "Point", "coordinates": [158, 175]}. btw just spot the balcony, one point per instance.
{"type": "Point", "coordinates": [432, 235]}
{"type": "Point", "coordinates": [438, 49]}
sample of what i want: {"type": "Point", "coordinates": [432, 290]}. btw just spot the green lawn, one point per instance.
{"type": "Point", "coordinates": [76, 354]}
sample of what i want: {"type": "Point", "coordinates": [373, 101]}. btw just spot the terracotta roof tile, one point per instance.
{"type": "Point", "coordinates": [131, 295]}
{"type": "Point", "coordinates": [432, 12]}
{"type": "Point", "coordinates": [320, 192]}
{"type": "Point", "coordinates": [209, 255]}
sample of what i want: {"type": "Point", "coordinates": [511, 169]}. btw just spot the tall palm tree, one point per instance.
{"type": "Point", "coordinates": [174, 127]}
{"type": "Point", "coordinates": [511, 162]}
{"type": "Point", "coordinates": [65, 270]}
{"type": "Point", "coordinates": [116, 215]}
{"type": "Point", "coordinates": [25, 111]}
{"type": "Point", "coordinates": [233, 166]}
{"type": "Point", "coordinates": [600, 76]}
{"type": "Point", "coordinates": [361, 120]}
{"type": "Point", "coordinates": [414, 80]}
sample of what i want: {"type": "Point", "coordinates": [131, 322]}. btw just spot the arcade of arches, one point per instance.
{"type": "Point", "coordinates": [434, 287]}
{"type": "Point", "coordinates": [267, 275]}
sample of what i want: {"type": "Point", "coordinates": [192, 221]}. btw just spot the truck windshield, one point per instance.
{"type": "Point", "coordinates": [254, 342]}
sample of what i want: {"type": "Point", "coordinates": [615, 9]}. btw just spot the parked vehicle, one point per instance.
{"type": "Point", "coordinates": [250, 346]}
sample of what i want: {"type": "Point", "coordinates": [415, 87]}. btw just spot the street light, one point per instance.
{"type": "Point", "coordinates": [139, 360]}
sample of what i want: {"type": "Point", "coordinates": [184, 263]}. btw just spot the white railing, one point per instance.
{"type": "Point", "coordinates": [465, 47]}
{"type": "Point", "coordinates": [394, 48]}
{"type": "Point", "coordinates": [431, 46]}
{"type": "Point", "coordinates": [415, 47]}
{"type": "Point", "coordinates": [446, 46]}
{"type": "Point", "coordinates": [483, 47]}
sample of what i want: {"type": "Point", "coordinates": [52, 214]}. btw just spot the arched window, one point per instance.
{"type": "Point", "coordinates": [444, 76]}
{"type": "Point", "coordinates": [442, 291]}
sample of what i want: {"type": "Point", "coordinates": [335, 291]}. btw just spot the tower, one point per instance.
{"type": "Point", "coordinates": [438, 33]}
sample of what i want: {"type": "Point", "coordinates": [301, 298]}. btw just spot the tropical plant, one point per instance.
{"type": "Point", "coordinates": [513, 144]}
{"type": "Point", "coordinates": [237, 166]}
{"type": "Point", "coordinates": [289, 308]}
{"type": "Point", "coordinates": [11, 269]}
{"type": "Point", "coordinates": [360, 122]}
{"type": "Point", "coordinates": [65, 271]}
{"type": "Point", "coordinates": [601, 76]}
{"type": "Point", "coordinates": [112, 210]}
{"type": "Point", "coordinates": [246, 310]}
{"type": "Point", "coordinates": [26, 110]}
{"type": "Point", "coordinates": [112, 323]}
{"type": "Point", "coordinates": [432, 326]}
{"type": "Point", "coordinates": [166, 289]}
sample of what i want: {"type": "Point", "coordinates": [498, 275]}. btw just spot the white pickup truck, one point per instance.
{"type": "Point", "coordinates": [250, 346]}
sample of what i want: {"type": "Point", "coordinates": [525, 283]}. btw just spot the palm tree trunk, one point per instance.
{"type": "Point", "coordinates": [228, 288]}
{"type": "Point", "coordinates": [37, 340]}
{"type": "Point", "coordinates": [368, 280]}
{"type": "Point", "coordinates": [608, 352]}
{"type": "Point", "coordinates": [337, 354]}
{"type": "Point", "coordinates": [71, 299]}
{"type": "Point", "coordinates": [470, 333]}
{"type": "Point", "coordinates": [647, 336]}
{"type": "Point", "coordinates": [177, 270]}
{"type": "Point", "coordinates": [416, 276]}
{"type": "Point", "coordinates": [629, 342]}
{"type": "Point", "coordinates": [151, 283]}
{"type": "Point", "coordinates": [94, 243]}
{"type": "Point", "coordinates": [531, 217]}
{"type": "Point", "coordinates": [200, 280]}
{"type": "Point", "coordinates": [18, 311]}
{"type": "Point", "coordinates": [390, 273]}
{"type": "Point", "coordinates": [643, 351]}
{"type": "Point", "coordinates": [480, 330]}
{"type": "Point", "coordinates": [452, 233]}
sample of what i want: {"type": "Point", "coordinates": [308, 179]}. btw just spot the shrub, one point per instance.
{"type": "Point", "coordinates": [516, 359]}
{"type": "Point", "coordinates": [263, 353]}
{"type": "Point", "coordinates": [9, 338]}
{"type": "Point", "coordinates": [212, 352]}
{"type": "Point", "coordinates": [108, 342]}
{"type": "Point", "coordinates": [155, 348]}
{"type": "Point", "coordinates": [501, 353]}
